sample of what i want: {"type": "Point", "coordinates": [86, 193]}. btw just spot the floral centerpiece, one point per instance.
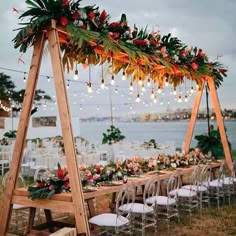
{"type": "Point", "coordinates": [50, 185]}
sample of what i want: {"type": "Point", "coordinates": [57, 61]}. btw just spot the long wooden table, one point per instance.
{"type": "Point", "coordinates": [64, 202]}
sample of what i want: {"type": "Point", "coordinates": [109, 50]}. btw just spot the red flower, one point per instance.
{"type": "Point", "coordinates": [64, 21]}
{"type": "Point", "coordinates": [98, 169]}
{"type": "Point", "coordinates": [91, 15]}
{"type": "Point", "coordinates": [102, 16]}
{"type": "Point", "coordinates": [223, 70]}
{"type": "Point", "coordinates": [84, 26]}
{"type": "Point", "coordinates": [114, 35]}
{"type": "Point", "coordinates": [115, 24]}
{"type": "Point", "coordinates": [175, 67]}
{"type": "Point", "coordinates": [141, 42]}
{"type": "Point", "coordinates": [40, 184]}
{"type": "Point", "coordinates": [75, 15]}
{"type": "Point", "coordinates": [65, 3]}
{"type": "Point", "coordinates": [200, 53]}
{"type": "Point", "coordinates": [66, 184]}
{"type": "Point", "coordinates": [194, 65]}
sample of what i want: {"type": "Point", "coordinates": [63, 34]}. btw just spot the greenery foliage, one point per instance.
{"type": "Point", "coordinates": [86, 30]}
{"type": "Point", "coordinates": [113, 135]}
{"type": "Point", "coordinates": [211, 143]}
{"type": "Point", "coordinates": [10, 134]}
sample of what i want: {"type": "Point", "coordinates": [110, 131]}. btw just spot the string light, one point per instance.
{"type": "Point", "coordinates": [123, 75]}
{"type": "Point", "coordinates": [138, 98]}
{"type": "Point", "coordinates": [143, 88]}
{"type": "Point", "coordinates": [185, 98]}
{"type": "Point", "coordinates": [48, 78]}
{"type": "Point", "coordinates": [148, 82]}
{"type": "Point", "coordinates": [76, 75]}
{"type": "Point", "coordinates": [112, 80]}
{"type": "Point", "coordinates": [68, 85]}
{"type": "Point", "coordinates": [155, 100]}
{"type": "Point", "coordinates": [179, 99]}
{"type": "Point", "coordinates": [166, 82]}
{"type": "Point", "coordinates": [131, 88]}
{"type": "Point", "coordinates": [174, 91]}
{"type": "Point", "coordinates": [89, 84]}
{"type": "Point", "coordinates": [116, 90]}
{"type": "Point", "coordinates": [102, 84]}
{"type": "Point", "coordinates": [152, 94]}
{"type": "Point", "coordinates": [159, 89]}
{"type": "Point", "coordinates": [140, 82]}
{"type": "Point", "coordinates": [24, 77]}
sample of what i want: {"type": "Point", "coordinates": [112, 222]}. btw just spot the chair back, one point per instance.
{"type": "Point", "coordinates": [173, 185]}
{"type": "Point", "coordinates": [195, 176]}
{"type": "Point", "coordinates": [151, 189]}
{"type": "Point", "coordinates": [20, 181]}
{"type": "Point", "coordinates": [206, 175]}
{"type": "Point", "coordinates": [125, 200]}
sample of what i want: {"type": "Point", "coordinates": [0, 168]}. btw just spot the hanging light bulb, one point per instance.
{"type": "Point", "coordinates": [80, 108]}
{"type": "Point", "coordinates": [123, 75]}
{"type": "Point", "coordinates": [113, 107]}
{"type": "Point", "coordinates": [24, 77]}
{"type": "Point", "coordinates": [140, 82]}
{"type": "Point", "coordinates": [155, 100]}
{"type": "Point", "coordinates": [130, 107]}
{"type": "Point", "coordinates": [137, 98]}
{"type": "Point", "coordinates": [174, 92]}
{"type": "Point", "coordinates": [102, 84]}
{"type": "Point", "coordinates": [48, 78]}
{"type": "Point", "coordinates": [68, 85]}
{"type": "Point", "coordinates": [148, 82]}
{"type": "Point", "coordinates": [116, 90]}
{"type": "Point", "coordinates": [166, 82]}
{"type": "Point", "coordinates": [76, 75]}
{"type": "Point", "coordinates": [112, 80]}
{"type": "Point", "coordinates": [159, 89]}
{"type": "Point", "coordinates": [97, 108]}
{"type": "Point", "coordinates": [152, 94]}
{"type": "Point", "coordinates": [143, 88]}
{"type": "Point", "coordinates": [89, 87]}
{"type": "Point", "coordinates": [179, 99]}
{"type": "Point", "coordinates": [161, 103]}
{"type": "Point", "coordinates": [185, 98]}
{"type": "Point", "coordinates": [131, 88]}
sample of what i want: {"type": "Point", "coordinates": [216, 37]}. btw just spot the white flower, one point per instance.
{"type": "Point", "coordinates": [173, 165]}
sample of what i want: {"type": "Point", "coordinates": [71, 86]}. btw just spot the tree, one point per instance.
{"type": "Point", "coordinates": [9, 93]}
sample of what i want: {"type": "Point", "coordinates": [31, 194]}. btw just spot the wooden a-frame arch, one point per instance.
{"type": "Point", "coordinates": [76, 205]}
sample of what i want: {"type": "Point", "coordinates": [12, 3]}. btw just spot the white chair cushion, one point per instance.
{"type": "Point", "coordinates": [183, 193]}
{"type": "Point", "coordinates": [165, 201]}
{"type": "Point", "coordinates": [195, 188]}
{"type": "Point", "coordinates": [18, 206]}
{"type": "Point", "coordinates": [109, 219]}
{"type": "Point", "coordinates": [215, 183]}
{"type": "Point", "coordinates": [136, 208]}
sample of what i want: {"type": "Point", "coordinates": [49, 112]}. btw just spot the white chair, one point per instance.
{"type": "Point", "coordinates": [187, 198]}
{"type": "Point", "coordinates": [120, 220]}
{"type": "Point", "coordinates": [19, 217]}
{"type": "Point", "coordinates": [167, 206]}
{"type": "Point", "coordinates": [143, 215]}
{"type": "Point", "coordinates": [5, 159]}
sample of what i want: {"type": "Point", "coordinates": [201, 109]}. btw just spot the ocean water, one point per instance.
{"type": "Point", "coordinates": [171, 132]}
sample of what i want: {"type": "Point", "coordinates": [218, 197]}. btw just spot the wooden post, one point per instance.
{"type": "Point", "coordinates": [193, 118]}
{"type": "Point", "coordinates": [63, 106]}
{"type": "Point", "coordinates": [220, 123]}
{"type": "Point", "coordinates": [22, 132]}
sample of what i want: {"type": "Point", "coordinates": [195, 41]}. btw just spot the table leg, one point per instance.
{"type": "Point", "coordinates": [49, 220]}
{"type": "Point", "coordinates": [30, 220]}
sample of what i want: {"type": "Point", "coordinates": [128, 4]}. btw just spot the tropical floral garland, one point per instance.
{"type": "Point", "coordinates": [94, 175]}
{"type": "Point", "coordinates": [86, 28]}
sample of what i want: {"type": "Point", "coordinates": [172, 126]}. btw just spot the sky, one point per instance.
{"type": "Point", "coordinates": [209, 25]}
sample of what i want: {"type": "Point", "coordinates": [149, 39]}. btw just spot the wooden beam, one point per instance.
{"type": "Point", "coordinates": [193, 118]}
{"type": "Point", "coordinates": [22, 132]}
{"type": "Point", "coordinates": [64, 113]}
{"type": "Point", "coordinates": [220, 122]}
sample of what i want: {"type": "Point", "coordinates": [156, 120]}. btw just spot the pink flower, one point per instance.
{"type": "Point", "coordinates": [51, 187]}
{"type": "Point", "coordinates": [141, 42]}
{"type": "Point", "coordinates": [88, 173]}
{"type": "Point", "coordinates": [114, 35]}
{"type": "Point", "coordinates": [66, 184]}
{"type": "Point", "coordinates": [96, 176]}
{"type": "Point", "coordinates": [194, 65]}
{"type": "Point", "coordinates": [64, 21]}
{"type": "Point", "coordinates": [198, 151]}
{"type": "Point", "coordinates": [163, 50]}
{"type": "Point", "coordinates": [200, 53]}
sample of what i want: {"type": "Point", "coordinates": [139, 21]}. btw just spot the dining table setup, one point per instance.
{"type": "Point", "coordinates": [63, 201]}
